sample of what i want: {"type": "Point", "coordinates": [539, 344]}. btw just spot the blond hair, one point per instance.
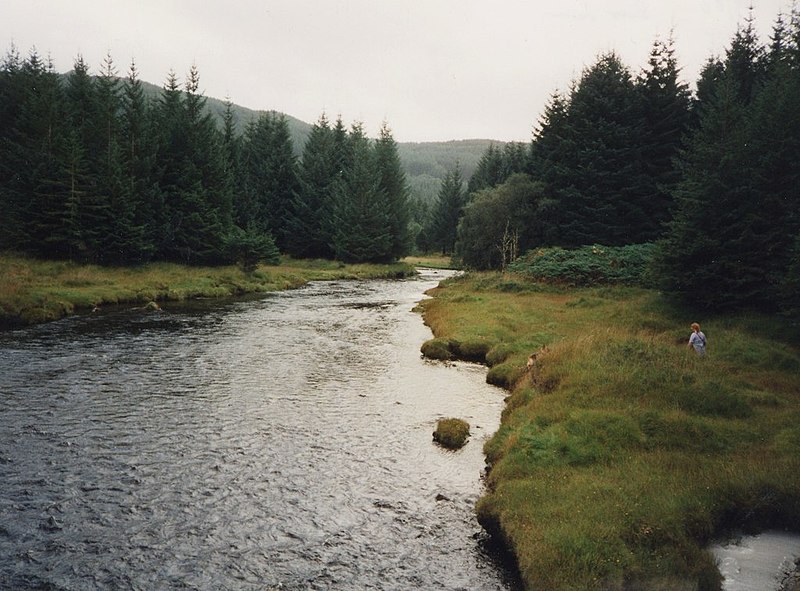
{"type": "Point", "coordinates": [695, 326]}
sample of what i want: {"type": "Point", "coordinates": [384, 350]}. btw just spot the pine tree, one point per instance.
{"type": "Point", "coordinates": [395, 190]}
{"type": "Point", "coordinates": [447, 211]}
{"type": "Point", "coordinates": [38, 186]}
{"type": "Point", "coordinates": [490, 172]}
{"type": "Point", "coordinates": [307, 223]}
{"type": "Point", "coordinates": [269, 175]}
{"type": "Point", "coordinates": [664, 102]}
{"type": "Point", "coordinates": [598, 172]}
{"type": "Point", "coordinates": [12, 97]}
{"type": "Point", "coordinates": [361, 230]}
{"type": "Point", "coordinates": [139, 189]}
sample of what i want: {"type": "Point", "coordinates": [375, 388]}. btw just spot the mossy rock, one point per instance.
{"type": "Point", "coordinates": [451, 433]}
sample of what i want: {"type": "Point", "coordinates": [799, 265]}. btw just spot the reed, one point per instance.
{"type": "Point", "coordinates": [621, 454]}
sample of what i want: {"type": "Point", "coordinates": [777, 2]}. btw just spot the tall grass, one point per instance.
{"type": "Point", "coordinates": [35, 291]}
{"type": "Point", "coordinates": [621, 453]}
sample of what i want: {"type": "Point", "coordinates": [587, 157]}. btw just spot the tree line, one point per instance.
{"type": "Point", "coordinates": [94, 171]}
{"type": "Point", "coordinates": [712, 177]}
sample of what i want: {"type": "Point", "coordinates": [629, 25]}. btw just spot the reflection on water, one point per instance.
{"type": "Point", "coordinates": [281, 442]}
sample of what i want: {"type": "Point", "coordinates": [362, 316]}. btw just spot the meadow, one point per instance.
{"type": "Point", "coordinates": [622, 454]}
{"type": "Point", "coordinates": [34, 290]}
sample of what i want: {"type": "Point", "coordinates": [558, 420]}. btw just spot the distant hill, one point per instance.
{"type": "Point", "coordinates": [298, 129]}
{"type": "Point", "coordinates": [425, 163]}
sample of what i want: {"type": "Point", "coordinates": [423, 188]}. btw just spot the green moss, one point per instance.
{"type": "Point", "coordinates": [451, 433]}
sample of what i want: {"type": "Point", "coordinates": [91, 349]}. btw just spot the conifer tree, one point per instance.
{"type": "Point", "coordinates": [447, 211]}
{"type": "Point", "coordinates": [361, 229]}
{"type": "Point", "coordinates": [12, 96]}
{"type": "Point", "coordinates": [311, 207]}
{"type": "Point", "coordinates": [731, 232]}
{"type": "Point", "coordinates": [42, 132]}
{"type": "Point", "coordinates": [664, 103]}
{"type": "Point", "coordinates": [395, 190]}
{"type": "Point", "coordinates": [269, 175]}
{"type": "Point", "coordinates": [490, 172]}
{"type": "Point", "coordinates": [598, 172]}
{"type": "Point", "coordinates": [117, 234]}
{"type": "Point", "coordinates": [139, 189]}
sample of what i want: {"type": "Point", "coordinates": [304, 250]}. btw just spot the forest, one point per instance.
{"type": "Point", "coordinates": [704, 181]}
{"type": "Point", "coordinates": [94, 170]}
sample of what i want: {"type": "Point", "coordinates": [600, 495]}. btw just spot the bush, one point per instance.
{"type": "Point", "coordinates": [451, 433]}
{"type": "Point", "coordinates": [588, 265]}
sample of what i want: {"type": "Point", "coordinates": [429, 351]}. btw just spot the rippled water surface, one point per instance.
{"type": "Point", "coordinates": [276, 443]}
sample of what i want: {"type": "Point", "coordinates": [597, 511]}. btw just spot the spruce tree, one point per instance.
{"type": "Point", "coordinates": [597, 176]}
{"type": "Point", "coordinates": [361, 229]}
{"type": "Point", "coordinates": [40, 163]}
{"type": "Point", "coordinates": [139, 189]}
{"type": "Point", "coordinates": [269, 175]}
{"type": "Point", "coordinates": [12, 97]}
{"type": "Point", "coordinates": [664, 103]}
{"type": "Point", "coordinates": [735, 223]}
{"type": "Point", "coordinates": [490, 172]}
{"type": "Point", "coordinates": [395, 190]}
{"type": "Point", "coordinates": [308, 224]}
{"type": "Point", "coordinates": [447, 211]}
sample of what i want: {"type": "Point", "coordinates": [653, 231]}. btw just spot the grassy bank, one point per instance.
{"type": "Point", "coordinates": [621, 453]}
{"type": "Point", "coordinates": [431, 261]}
{"type": "Point", "coordinates": [36, 291]}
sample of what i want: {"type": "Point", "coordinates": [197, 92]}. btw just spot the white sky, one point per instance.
{"type": "Point", "coordinates": [433, 69]}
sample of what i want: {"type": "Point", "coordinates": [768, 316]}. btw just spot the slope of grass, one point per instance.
{"type": "Point", "coordinates": [621, 453]}
{"type": "Point", "coordinates": [36, 291]}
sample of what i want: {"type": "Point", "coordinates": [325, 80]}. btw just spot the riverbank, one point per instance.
{"type": "Point", "coordinates": [621, 454]}
{"type": "Point", "coordinates": [33, 291]}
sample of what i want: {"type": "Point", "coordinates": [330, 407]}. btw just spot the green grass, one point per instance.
{"type": "Point", "coordinates": [430, 261]}
{"type": "Point", "coordinates": [33, 290]}
{"type": "Point", "coordinates": [621, 453]}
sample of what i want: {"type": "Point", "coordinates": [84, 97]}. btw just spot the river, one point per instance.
{"type": "Point", "coordinates": [279, 442]}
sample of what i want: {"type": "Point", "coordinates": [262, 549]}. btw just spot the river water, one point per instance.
{"type": "Point", "coordinates": [280, 442]}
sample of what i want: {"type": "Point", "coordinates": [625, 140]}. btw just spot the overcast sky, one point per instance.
{"type": "Point", "coordinates": [433, 69]}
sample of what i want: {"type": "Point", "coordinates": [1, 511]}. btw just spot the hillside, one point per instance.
{"type": "Point", "coordinates": [425, 163]}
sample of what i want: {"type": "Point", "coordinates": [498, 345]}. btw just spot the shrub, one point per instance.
{"type": "Point", "coordinates": [588, 265]}
{"type": "Point", "coordinates": [451, 433]}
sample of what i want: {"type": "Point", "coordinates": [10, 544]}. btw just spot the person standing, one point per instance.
{"type": "Point", "coordinates": [697, 340]}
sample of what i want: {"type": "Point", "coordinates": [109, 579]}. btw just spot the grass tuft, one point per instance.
{"type": "Point", "coordinates": [451, 433]}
